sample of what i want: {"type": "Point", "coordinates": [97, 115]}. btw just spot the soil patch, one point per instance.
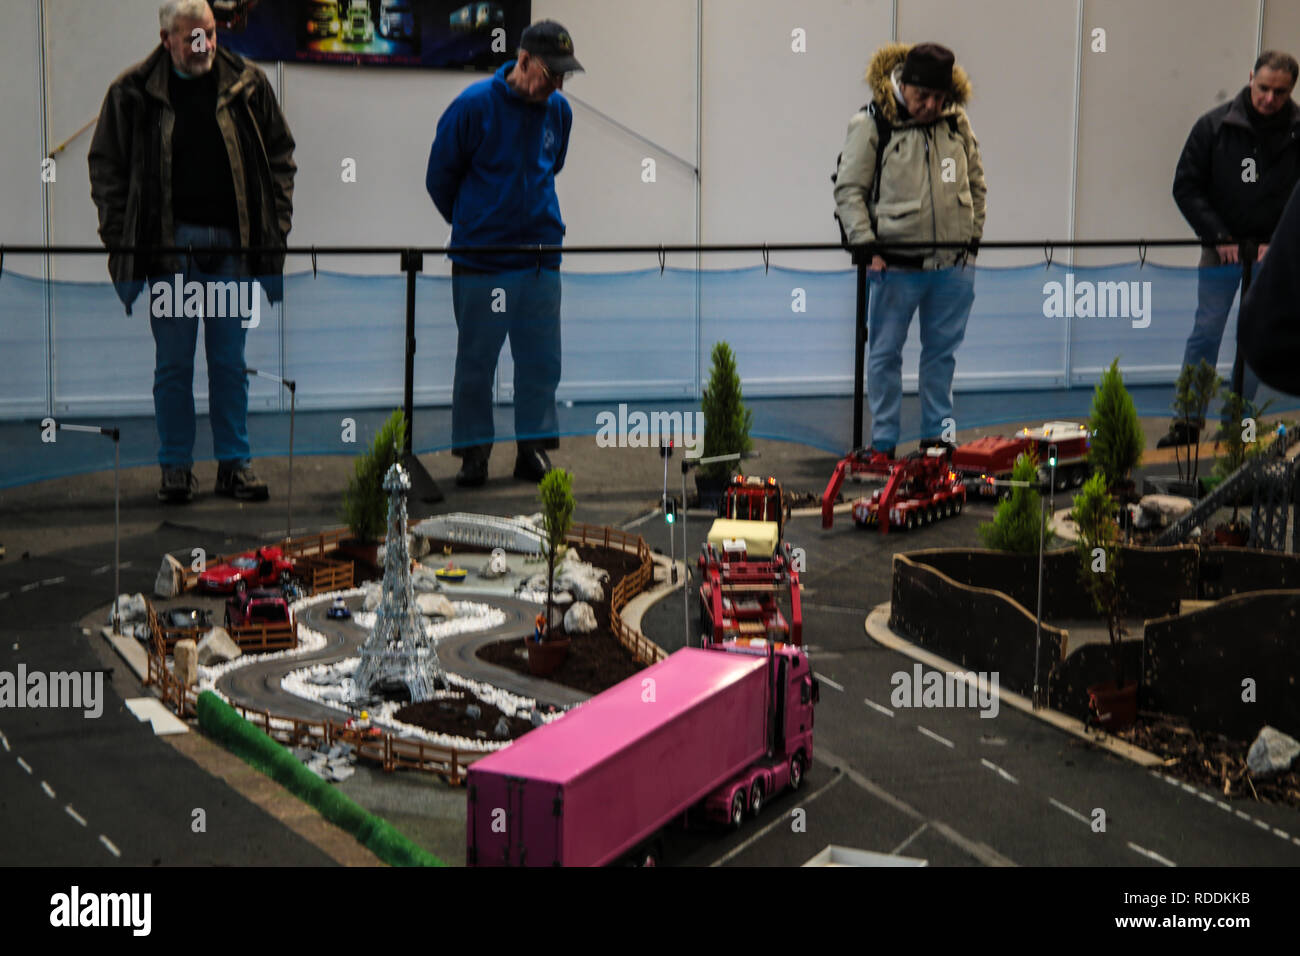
{"type": "Point", "coordinates": [1212, 760]}
{"type": "Point", "coordinates": [450, 717]}
{"type": "Point", "coordinates": [596, 661]}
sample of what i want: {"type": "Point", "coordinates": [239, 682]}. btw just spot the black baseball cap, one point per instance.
{"type": "Point", "coordinates": [551, 42]}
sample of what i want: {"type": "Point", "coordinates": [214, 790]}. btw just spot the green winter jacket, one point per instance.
{"type": "Point", "coordinates": [917, 201]}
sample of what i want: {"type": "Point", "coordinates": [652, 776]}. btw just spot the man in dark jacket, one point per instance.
{"type": "Point", "coordinates": [491, 174]}
{"type": "Point", "coordinates": [191, 149]}
{"type": "Point", "coordinates": [1268, 325]}
{"type": "Point", "coordinates": [1239, 167]}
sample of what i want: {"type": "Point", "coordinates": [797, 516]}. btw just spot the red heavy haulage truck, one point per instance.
{"type": "Point", "coordinates": [705, 732]}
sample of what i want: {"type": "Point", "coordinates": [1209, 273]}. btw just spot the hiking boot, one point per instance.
{"type": "Point", "coordinates": [177, 485]}
{"type": "Point", "coordinates": [1180, 433]}
{"type": "Point", "coordinates": [238, 481]}
{"type": "Point", "coordinates": [473, 469]}
{"type": "Point", "coordinates": [531, 463]}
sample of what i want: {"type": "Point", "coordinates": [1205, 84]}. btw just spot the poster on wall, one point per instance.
{"type": "Point", "coordinates": [433, 34]}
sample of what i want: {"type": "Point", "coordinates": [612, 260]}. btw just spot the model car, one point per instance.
{"type": "Point", "coordinates": [338, 610]}
{"type": "Point", "coordinates": [323, 18]}
{"type": "Point", "coordinates": [185, 617]}
{"type": "Point", "coordinates": [258, 606]}
{"type": "Point", "coordinates": [358, 27]}
{"type": "Point", "coordinates": [252, 569]}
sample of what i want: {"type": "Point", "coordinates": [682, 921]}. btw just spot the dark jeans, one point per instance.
{"type": "Point", "coordinates": [223, 338]}
{"type": "Point", "coordinates": [489, 307]}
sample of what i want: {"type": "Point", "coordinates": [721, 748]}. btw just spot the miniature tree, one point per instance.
{"type": "Point", "coordinates": [556, 493]}
{"type": "Point", "coordinates": [1117, 440]}
{"type": "Point", "coordinates": [1098, 549]}
{"type": "Point", "coordinates": [726, 419]}
{"type": "Point", "coordinates": [1196, 386]}
{"type": "Point", "coordinates": [365, 503]}
{"type": "Point", "coordinates": [1019, 520]}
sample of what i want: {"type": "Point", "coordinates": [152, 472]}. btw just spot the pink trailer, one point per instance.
{"type": "Point", "coordinates": [604, 779]}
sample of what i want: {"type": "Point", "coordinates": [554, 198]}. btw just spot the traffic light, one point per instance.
{"type": "Point", "coordinates": [1051, 456]}
{"type": "Point", "coordinates": [670, 510]}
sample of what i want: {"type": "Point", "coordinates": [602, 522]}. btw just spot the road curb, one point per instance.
{"type": "Point", "coordinates": [877, 628]}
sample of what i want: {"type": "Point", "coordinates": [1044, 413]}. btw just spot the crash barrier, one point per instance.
{"type": "Point", "coordinates": [643, 650]}
{"type": "Point", "coordinates": [1226, 571]}
{"type": "Point", "coordinates": [1038, 327]}
{"type": "Point", "coordinates": [256, 748]}
{"type": "Point", "coordinates": [981, 629]}
{"type": "Point", "coordinates": [1152, 581]}
{"type": "Point", "coordinates": [312, 567]}
{"type": "Point", "coordinates": [251, 638]}
{"type": "Point", "coordinates": [1231, 667]}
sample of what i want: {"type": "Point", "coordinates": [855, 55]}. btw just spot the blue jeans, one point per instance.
{"type": "Point", "coordinates": [943, 298]}
{"type": "Point", "coordinates": [489, 307]}
{"type": "Point", "coordinates": [173, 380]}
{"type": "Point", "coordinates": [1216, 287]}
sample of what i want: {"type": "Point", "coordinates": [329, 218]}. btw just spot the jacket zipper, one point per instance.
{"type": "Point", "coordinates": [929, 175]}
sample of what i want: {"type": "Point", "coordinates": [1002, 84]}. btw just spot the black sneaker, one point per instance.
{"type": "Point", "coordinates": [177, 485]}
{"type": "Point", "coordinates": [531, 463]}
{"type": "Point", "coordinates": [888, 451]}
{"type": "Point", "coordinates": [1180, 433]}
{"type": "Point", "coordinates": [473, 469]}
{"type": "Point", "coordinates": [240, 482]}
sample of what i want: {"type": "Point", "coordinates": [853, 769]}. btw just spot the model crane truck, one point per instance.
{"type": "Point", "coordinates": [708, 733]}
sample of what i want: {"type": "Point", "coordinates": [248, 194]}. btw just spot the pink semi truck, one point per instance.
{"type": "Point", "coordinates": [712, 731]}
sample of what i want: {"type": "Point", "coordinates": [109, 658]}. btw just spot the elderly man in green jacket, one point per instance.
{"type": "Point", "coordinates": [911, 172]}
{"type": "Point", "coordinates": [191, 149]}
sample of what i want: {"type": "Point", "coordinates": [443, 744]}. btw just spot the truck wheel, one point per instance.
{"type": "Point", "coordinates": [738, 809]}
{"type": "Point", "coordinates": [796, 772]}
{"type": "Point", "coordinates": [956, 505]}
{"type": "Point", "coordinates": [910, 522]}
{"type": "Point", "coordinates": [756, 797]}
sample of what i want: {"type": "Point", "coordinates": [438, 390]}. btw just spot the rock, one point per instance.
{"type": "Point", "coordinates": [374, 592]}
{"type": "Point", "coordinates": [580, 619]}
{"type": "Point", "coordinates": [423, 581]}
{"type": "Point", "coordinates": [131, 608]}
{"type": "Point", "coordinates": [474, 711]}
{"type": "Point", "coordinates": [217, 647]}
{"type": "Point", "coordinates": [419, 545]}
{"type": "Point", "coordinates": [497, 566]}
{"type": "Point", "coordinates": [535, 718]}
{"type": "Point", "coordinates": [1157, 511]}
{"type": "Point", "coordinates": [186, 658]}
{"type": "Point", "coordinates": [502, 729]}
{"type": "Point", "coordinates": [170, 575]}
{"type": "Point", "coordinates": [434, 605]}
{"type": "Point", "coordinates": [1272, 752]}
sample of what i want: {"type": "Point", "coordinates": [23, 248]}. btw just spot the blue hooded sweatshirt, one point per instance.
{"type": "Point", "coordinates": [492, 171]}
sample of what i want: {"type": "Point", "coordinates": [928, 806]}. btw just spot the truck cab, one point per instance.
{"type": "Point", "coordinates": [752, 510]}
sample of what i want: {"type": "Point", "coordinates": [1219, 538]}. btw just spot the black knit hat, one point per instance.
{"type": "Point", "coordinates": [929, 65]}
{"type": "Point", "coordinates": [550, 42]}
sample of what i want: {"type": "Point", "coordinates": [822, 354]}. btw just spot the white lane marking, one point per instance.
{"type": "Point", "coordinates": [1208, 798]}
{"type": "Point", "coordinates": [46, 787]}
{"type": "Point", "coordinates": [1296, 840]}
{"type": "Point", "coordinates": [902, 846]}
{"type": "Point", "coordinates": [4, 740]}
{"type": "Point", "coordinates": [1261, 824]}
{"type": "Point", "coordinates": [109, 843]}
{"type": "Point", "coordinates": [1244, 816]}
{"type": "Point", "coordinates": [874, 706]}
{"type": "Point", "coordinates": [1189, 788]}
{"type": "Point", "coordinates": [1222, 806]}
{"type": "Point", "coordinates": [29, 587]}
{"type": "Point", "coordinates": [24, 764]}
{"type": "Point", "coordinates": [4, 595]}
{"type": "Point", "coordinates": [931, 734]}
{"type": "Point", "coordinates": [827, 681]}
{"type": "Point", "coordinates": [640, 521]}
{"type": "Point", "coordinates": [1070, 810]}
{"type": "Point", "coordinates": [74, 814]}
{"type": "Point", "coordinates": [1150, 855]}
{"type": "Point", "coordinates": [51, 581]}
{"type": "Point", "coordinates": [999, 771]}
{"type": "Point", "coordinates": [1281, 833]}
{"type": "Point", "coordinates": [779, 821]}
{"type": "Point", "coordinates": [101, 569]}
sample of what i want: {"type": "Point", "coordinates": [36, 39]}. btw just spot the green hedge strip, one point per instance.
{"type": "Point", "coordinates": [221, 721]}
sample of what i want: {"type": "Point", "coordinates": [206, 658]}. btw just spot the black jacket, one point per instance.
{"type": "Point", "coordinates": [1268, 327]}
{"type": "Point", "coordinates": [1208, 185]}
{"type": "Point", "coordinates": [131, 159]}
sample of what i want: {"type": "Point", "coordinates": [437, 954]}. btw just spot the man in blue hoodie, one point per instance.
{"type": "Point", "coordinates": [492, 168]}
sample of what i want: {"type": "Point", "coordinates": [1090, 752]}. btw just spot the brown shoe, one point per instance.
{"type": "Point", "coordinates": [240, 482]}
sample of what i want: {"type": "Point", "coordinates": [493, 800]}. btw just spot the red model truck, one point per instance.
{"type": "Point", "coordinates": [920, 490]}
{"type": "Point", "coordinates": [711, 732]}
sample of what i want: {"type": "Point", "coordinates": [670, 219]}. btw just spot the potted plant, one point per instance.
{"type": "Point", "coordinates": [1236, 533]}
{"type": "Point", "coordinates": [1097, 547]}
{"type": "Point", "coordinates": [365, 503]}
{"type": "Point", "coordinates": [547, 650]}
{"type": "Point", "coordinates": [726, 426]}
{"type": "Point", "coordinates": [1117, 441]}
{"type": "Point", "coordinates": [1195, 387]}
{"type": "Point", "coordinates": [1019, 520]}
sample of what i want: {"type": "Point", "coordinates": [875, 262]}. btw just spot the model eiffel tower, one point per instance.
{"type": "Point", "coordinates": [399, 651]}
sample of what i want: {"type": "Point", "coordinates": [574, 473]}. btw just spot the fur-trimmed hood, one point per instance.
{"type": "Point", "coordinates": [886, 61]}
